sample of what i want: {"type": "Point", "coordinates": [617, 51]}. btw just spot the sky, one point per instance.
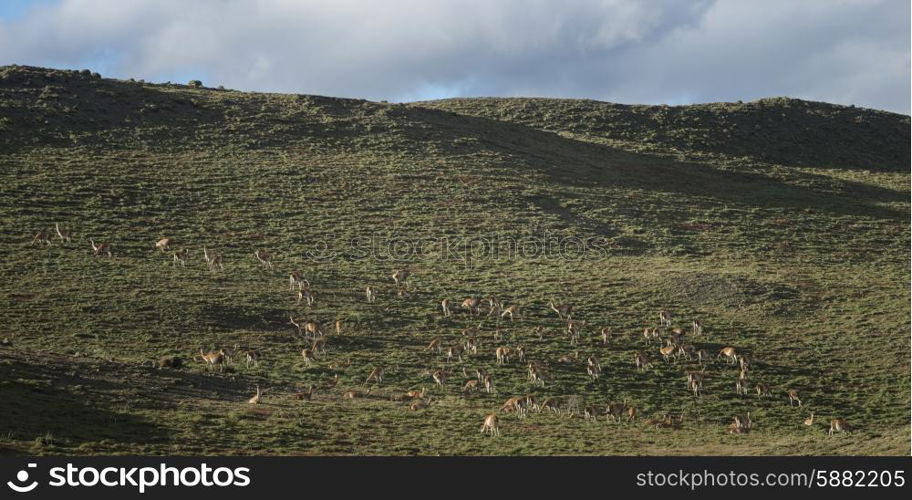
{"type": "Point", "coordinates": [628, 51]}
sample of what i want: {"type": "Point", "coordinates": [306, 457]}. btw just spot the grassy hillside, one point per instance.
{"type": "Point", "coordinates": [782, 225]}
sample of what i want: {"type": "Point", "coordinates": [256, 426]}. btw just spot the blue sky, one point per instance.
{"type": "Point", "coordinates": [657, 51]}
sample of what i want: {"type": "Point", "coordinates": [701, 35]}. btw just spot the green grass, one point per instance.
{"type": "Point", "coordinates": [792, 245]}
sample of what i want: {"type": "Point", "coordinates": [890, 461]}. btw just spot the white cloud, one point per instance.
{"type": "Point", "coordinates": [852, 52]}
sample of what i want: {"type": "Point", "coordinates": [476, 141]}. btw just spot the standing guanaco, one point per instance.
{"type": "Point", "coordinates": [101, 248]}
{"type": "Point", "coordinates": [180, 257]}
{"type": "Point", "coordinates": [562, 310]}
{"type": "Point", "coordinates": [502, 354]}
{"type": "Point", "coordinates": [213, 358]}
{"type": "Point", "coordinates": [838, 425]}
{"type": "Point", "coordinates": [434, 345]}
{"type": "Point", "coordinates": [665, 318]}
{"type": "Point", "coordinates": [375, 374]}
{"type": "Point", "coordinates": [471, 304]}
{"type": "Point", "coordinates": [297, 279]}
{"type": "Point", "coordinates": [162, 244]}
{"type": "Point", "coordinates": [729, 352]}
{"type": "Point", "coordinates": [400, 276]}
{"type": "Point", "coordinates": [794, 397]}
{"type": "Point", "coordinates": [308, 356]}
{"type": "Point", "coordinates": [264, 258]}
{"type": "Point", "coordinates": [512, 310]}
{"type": "Point", "coordinates": [370, 294]}
{"type": "Point", "coordinates": [63, 234]}
{"type": "Point", "coordinates": [445, 305]}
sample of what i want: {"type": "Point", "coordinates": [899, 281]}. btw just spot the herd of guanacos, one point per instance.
{"type": "Point", "coordinates": [675, 347]}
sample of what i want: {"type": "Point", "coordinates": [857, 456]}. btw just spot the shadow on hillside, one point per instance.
{"type": "Point", "coordinates": [578, 163]}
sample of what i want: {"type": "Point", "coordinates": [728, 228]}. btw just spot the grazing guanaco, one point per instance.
{"type": "Point", "coordinates": [686, 351]}
{"type": "Point", "coordinates": [63, 234]}
{"type": "Point", "coordinates": [41, 237]}
{"type": "Point", "coordinates": [308, 356]}
{"type": "Point", "coordinates": [702, 356]}
{"type": "Point", "coordinates": [309, 328]}
{"type": "Point", "coordinates": [255, 400]}
{"type": "Point", "coordinates": [400, 276]}
{"type": "Point", "coordinates": [434, 345]}
{"type": "Point", "coordinates": [741, 424]}
{"type": "Point", "coordinates": [516, 404]}
{"type": "Point", "coordinates": [512, 310]}
{"type": "Point", "coordinates": [764, 390]}
{"type": "Point", "coordinates": [697, 327]}
{"type": "Point", "coordinates": [101, 248]}
{"type": "Point", "coordinates": [319, 345]}
{"type": "Point", "coordinates": [471, 345]}
{"type": "Point", "coordinates": [669, 351]}
{"type": "Point", "coordinates": [371, 294]}
{"type": "Point", "coordinates": [375, 374]}
{"type": "Point", "coordinates": [810, 420]}
{"type": "Point", "coordinates": [502, 354]}
{"type": "Point", "coordinates": [180, 257]}
{"type": "Point", "coordinates": [535, 374]}
{"type": "Point", "coordinates": [264, 258]}
{"type": "Point", "coordinates": [574, 328]}
{"type": "Point", "coordinates": [305, 295]}
{"type": "Point", "coordinates": [642, 361]}
{"type": "Point", "coordinates": [590, 412]}
{"type": "Point", "coordinates": [729, 352]}
{"type": "Point", "coordinates": [490, 425]}
{"type": "Point", "coordinates": [470, 385]}
{"type": "Point", "coordinates": [549, 404]}
{"type": "Point", "coordinates": [213, 358]}
{"type": "Point", "coordinates": [162, 244]}
{"type": "Point", "coordinates": [794, 397]}
{"type": "Point", "coordinates": [616, 411]}
{"type": "Point", "coordinates": [562, 310]}
{"type": "Point", "coordinates": [665, 318]}
{"type": "Point", "coordinates": [297, 279]}
{"type": "Point", "coordinates": [471, 304]}
{"type": "Point", "coordinates": [838, 425]}
{"type": "Point", "coordinates": [445, 305]}
{"type": "Point", "coordinates": [305, 395]}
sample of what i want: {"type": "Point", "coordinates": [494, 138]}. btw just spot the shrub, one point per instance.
{"type": "Point", "coordinates": [195, 84]}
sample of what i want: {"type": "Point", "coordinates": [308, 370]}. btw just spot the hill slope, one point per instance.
{"type": "Point", "coordinates": [790, 243]}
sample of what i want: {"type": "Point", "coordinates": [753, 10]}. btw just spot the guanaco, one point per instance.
{"type": "Point", "coordinates": [810, 420]}
{"type": "Point", "coordinates": [370, 293]}
{"type": "Point", "coordinates": [63, 234]}
{"type": "Point", "coordinates": [665, 318]}
{"type": "Point", "coordinates": [535, 375]}
{"type": "Point", "coordinates": [697, 327]}
{"type": "Point", "coordinates": [400, 276]}
{"type": "Point", "coordinates": [838, 425]}
{"type": "Point", "coordinates": [471, 304]}
{"type": "Point", "coordinates": [297, 279]}
{"type": "Point", "coordinates": [101, 248]}
{"type": "Point", "coordinates": [340, 326]}
{"type": "Point", "coordinates": [741, 384]}
{"type": "Point", "coordinates": [440, 377]}
{"type": "Point", "coordinates": [454, 352]}
{"type": "Point", "coordinates": [41, 237]}
{"type": "Point", "coordinates": [470, 386]}
{"type": "Point", "coordinates": [549, 404]}
{"type": "Point", "coordinates": [305, 295]}
{"type": "Point", "coordinates": [355, 394]}
{"type": "Point", "coordinates": [308, 356]}
{"type": "Point", "coordinates": [641, 360]}
{"type": "Point", "coordinates": [490, 425]}
{"type": "Point", "coordinates": [162, 244]}
{"type": "Point", "coordinates": [310, 327]}
{"type": "Point", "coordinates": [667, 352]}
{"type": "Point", "coordinates": [255, 400]}
{"type": "Point", "coordinates": [512, 310]}
{"type": "Point", "coordinates": [606, 335]}
{"type": "Point", "coordinates": [649, 334]}
{"type": "Point", "coordinates": [252, 357]}
{"type": "Point", "coordinates": [375, 374]}
{"type": "Point", "coordinates": [305, 395]}
{"type": "Point", "coordinates": [180, 257]}
{"type": "Point", "coordinates": [264, 258]}
{"type": "Point", "coordinates": [213, 358]}
{"type": "Point", "coordinates": [213, 261]}
{"type": "Point", "coordinates": [794, 397]}
{"type": "Point", "coordinates": [488, 383]}
{"type": "Point", "coordinates": [764, 390]}
{"type": "Point", "coordinates": [434, 345]}
{"type": "Point", "coordinates": [562, 310]}
{"type": "Point", "coordinates": [445, 305]}
{"type": "Point", "coordinates": [729, 352]}
{"type": "Point", "coordinates": [420, 405]}
{"type": "Point", "coordinates": [502, 354]}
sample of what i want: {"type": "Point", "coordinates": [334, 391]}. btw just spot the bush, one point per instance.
{"type": "Point", "coordinates": [195, 84]}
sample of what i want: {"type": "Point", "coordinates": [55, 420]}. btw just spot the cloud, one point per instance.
{"type": "Point", "coordinates": [662, 51]}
